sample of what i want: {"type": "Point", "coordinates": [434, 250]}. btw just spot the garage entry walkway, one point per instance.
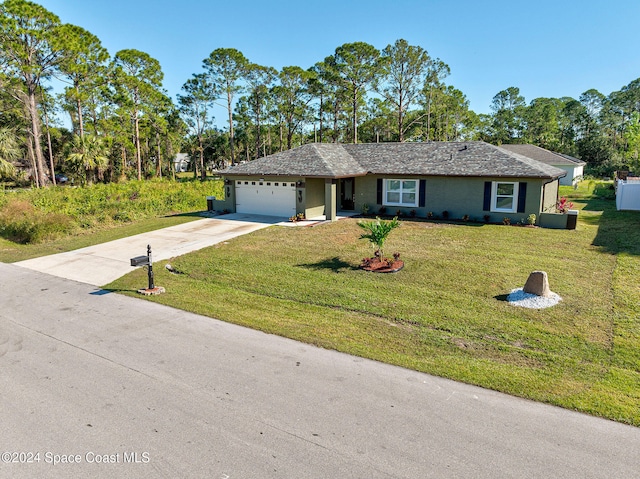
{"type": "Point", "coordinates": [103, 263]}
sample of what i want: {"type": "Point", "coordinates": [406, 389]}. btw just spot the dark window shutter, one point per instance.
{"type": "Point", "coordinates": [379, 192]}
{"type": "Point", "coordinates": [522, 197]}
{"type": "Point", "coordinates": [486, 206]}
{"type": "Point", "coordinates": [423, 190]}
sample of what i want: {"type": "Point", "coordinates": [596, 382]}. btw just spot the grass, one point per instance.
{"type": "Point", "coordinates": [446, 312]}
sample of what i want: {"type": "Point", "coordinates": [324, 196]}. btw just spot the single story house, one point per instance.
{"type": "Point", "coordinates": [573, 166]}
{"type": "Point", "coordinates": [474, 179]}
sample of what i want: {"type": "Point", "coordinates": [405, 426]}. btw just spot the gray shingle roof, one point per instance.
{"type": "Point", "coordinates": [324, 160]}
{"type": "Point", "coordinates": [329, 160]}
{"type": "Point", "coordinates": [544, 156]}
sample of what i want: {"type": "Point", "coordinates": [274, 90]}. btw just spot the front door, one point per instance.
{"type": "Point", "coordinates": [347, 194]}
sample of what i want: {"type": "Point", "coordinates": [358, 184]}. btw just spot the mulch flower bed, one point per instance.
{"type": "Point", "coordinates": [375, 265]}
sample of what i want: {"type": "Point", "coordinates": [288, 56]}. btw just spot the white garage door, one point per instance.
{"type": "Point", "coordinates": [273, 198]}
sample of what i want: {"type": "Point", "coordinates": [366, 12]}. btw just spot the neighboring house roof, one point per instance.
{"type": "Point", "coordinates": [573, 159]}
{"type": "Point", "coordinates": [333, 160]}
{"type": "Point", "coordinates": [544, 156]}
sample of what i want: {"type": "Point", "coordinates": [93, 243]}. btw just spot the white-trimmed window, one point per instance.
{"type": "Point", "coordinates": [504, 197]}
{"type": "Point", "coordinates": [398, 192]}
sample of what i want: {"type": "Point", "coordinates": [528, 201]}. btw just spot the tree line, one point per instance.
{"type": "Point", "coordinates": [125, 125]}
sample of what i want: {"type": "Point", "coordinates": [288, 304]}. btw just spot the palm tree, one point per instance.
{"type": "Point", "coordinates": [378, 232]}
{"type": "Point", "coordinates": [88, 153]}
{"type": "Point", "coordinates": [9, 152]}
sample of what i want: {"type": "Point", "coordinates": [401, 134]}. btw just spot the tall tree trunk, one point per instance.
{"type": "Point", "coordinates": [51, 167]}
{"type": "Point", "coordinates": [136, 122]}
{"type": "Point", "coordinates": [79, 108]}
{"type": "Point", "coordinates": [429, 114]}
{"type": "Point", "coordinates": [35, 135]}
{"type": "Point", "coordinates": [159, 160]}
{"type": "Point", "coordinates": [50, 150]}
{"type": "Point", "coordinates": [355, 116]}
{"type": "Point", "coordinates": [321, 115]}
{"type": "Point", "coordinates": [172, 166]}
{"type": "Point", "coordinates": [257, 128]}
{"type": "Point", "coordinates": [335, 122]}
{"type": "Point", "coordinates": [32, 158]}
{"type": "Point", "coordinates": [231, 138]}
{"type": "Point", "coordinates": [400, 129]}
{"type": "Point", "coordinates": [203, 173]}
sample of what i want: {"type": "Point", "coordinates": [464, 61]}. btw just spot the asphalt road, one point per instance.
{"type": "Point", "coordinates": [102, 385]}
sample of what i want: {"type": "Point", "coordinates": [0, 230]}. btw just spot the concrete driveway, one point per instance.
{"type": "Point", "coordinates": [103, 263]}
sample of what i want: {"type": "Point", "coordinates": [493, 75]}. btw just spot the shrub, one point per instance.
{"type": "Point", "coordinates": [378, 232]}
{"type": "Point", "coordinates": [39, 214]}
{"type": "Point", "coordinates": [563, 205]}
{"type": "Point", "coordinates": [22, 223]}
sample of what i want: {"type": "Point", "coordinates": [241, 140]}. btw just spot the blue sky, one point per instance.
{"type": "Point", "coordinates": [545, 48]}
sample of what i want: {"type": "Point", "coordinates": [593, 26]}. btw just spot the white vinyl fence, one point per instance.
{"type": "Point", "coordinates": [628, 194]}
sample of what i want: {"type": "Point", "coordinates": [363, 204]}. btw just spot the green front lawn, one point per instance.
{"type": "Point", "coordinates": [446, 312]}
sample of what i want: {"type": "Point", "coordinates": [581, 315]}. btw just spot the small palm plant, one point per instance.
{"type": "Point", "coordinates": [88, 153]}
{"type": "Point", "coordinates": [378, 232]}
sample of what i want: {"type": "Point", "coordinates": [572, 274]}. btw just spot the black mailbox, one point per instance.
{"type": "Point", "coordinates": [145, 261]}
{"type": "Point", "coordinates": [140, 261]}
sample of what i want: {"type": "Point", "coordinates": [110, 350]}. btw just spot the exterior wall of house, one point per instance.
{"type": "Point", "coordinates": [313, 204]}
{"type": "Point", "coordinates": [574, 174]}
{"type": "Point", "coordinates": [457, 196]}
{"type": "Point", "coordinates": [227, 203]}
{"type": "Point", "coordinates": [550, 197]}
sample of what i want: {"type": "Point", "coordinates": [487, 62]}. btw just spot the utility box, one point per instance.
{"type": "Point", "coordinates": [210, 200]}
{"type": "Point", "coordinates": [572, 219]}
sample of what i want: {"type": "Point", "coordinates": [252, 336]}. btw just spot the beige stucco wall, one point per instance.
{"type": "Point", "coordinates": [227, 202]}
{"type": "Point", "coordinates": [550, 197]}
{"type": "Point", "coordinates": [314, 197]}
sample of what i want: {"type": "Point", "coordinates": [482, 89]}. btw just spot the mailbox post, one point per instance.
{"type": "Point", "coordinates": [148, 262]}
